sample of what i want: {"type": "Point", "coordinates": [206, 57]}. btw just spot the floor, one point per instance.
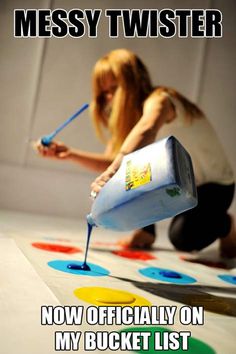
{"type": "Point", "coordinates": [31, 244]}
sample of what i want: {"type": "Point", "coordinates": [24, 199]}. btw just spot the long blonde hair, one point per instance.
{"type": "Point", "coordinates": [134, 86]}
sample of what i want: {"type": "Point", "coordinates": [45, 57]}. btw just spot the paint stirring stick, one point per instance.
{"type": "Point", "coordinates": [46, 140]}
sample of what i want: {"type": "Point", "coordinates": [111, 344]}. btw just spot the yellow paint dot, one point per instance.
{"type": "Point", "coordinates": [109, 297]}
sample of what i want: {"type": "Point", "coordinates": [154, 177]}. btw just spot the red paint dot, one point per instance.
{"type": "Point", "coordinates": [134, 254]}
{"type": "Point", "coordinates": [56, 247]}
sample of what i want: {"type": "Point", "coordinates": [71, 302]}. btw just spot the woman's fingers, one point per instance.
{"type": "Point", "coordinates": [96, 186]}
{"type": "Point", "coordinates": [54, 150]}
{"type": "Point", "coordinates": [100, 181]}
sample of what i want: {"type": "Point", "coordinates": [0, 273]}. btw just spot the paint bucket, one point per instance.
{"type": "Point", "coordinates": [152, 184]}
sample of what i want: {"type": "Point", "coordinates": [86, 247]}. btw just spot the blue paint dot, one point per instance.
{"type": "Point", "coordinates": [228, 278]}
{"type": "Point", "coordinates": [74, 267]}
{"type": "Point", "coordinates": [167, 275]}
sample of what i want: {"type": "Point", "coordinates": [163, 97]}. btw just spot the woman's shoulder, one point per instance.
{"type": "Point", "coordinates": [159, 91]}
{"type": "Point", "coordinates": [157, 96]}
{"type": "Point", "coordinates": [183, 107]}
{"type": "Point", "coordinates": [162, 95]}
{"type": "Point", "coordinates": [159, 101]}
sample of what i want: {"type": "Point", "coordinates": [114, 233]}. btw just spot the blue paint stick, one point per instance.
{"type": "Point", "coordinates": [47, 139]}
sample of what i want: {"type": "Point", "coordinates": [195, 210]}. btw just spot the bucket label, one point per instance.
{"type": "Point", "coordinates": [137, 174]}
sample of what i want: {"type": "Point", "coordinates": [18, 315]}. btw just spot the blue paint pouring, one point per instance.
{"type": "Point", "coordinates": [167, 275]}
{"type": "Point", "coordinates": [228, 278]}
{"type": "Point", "coordinates": [84, 266]}
{"type": "Point", "coordinates": [47, 139]}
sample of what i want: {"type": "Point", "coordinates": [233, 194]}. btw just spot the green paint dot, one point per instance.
{"type": "Point", "coordinates": [195, 346]}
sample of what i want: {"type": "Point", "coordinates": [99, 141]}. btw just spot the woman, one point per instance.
{"type": "Point", "coordinates": [135, 114]}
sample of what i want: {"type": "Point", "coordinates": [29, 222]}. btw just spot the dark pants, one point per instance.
{"type": "Point", "coordinates": [197, 228]}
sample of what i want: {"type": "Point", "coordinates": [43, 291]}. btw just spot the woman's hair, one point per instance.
{"type": "Point", "coordinates": [133, 87]}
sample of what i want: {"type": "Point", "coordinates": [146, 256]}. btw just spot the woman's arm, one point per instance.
{"type": "Point", "coordinates": [92, 161]}
{"type": "Point", "coordinates": [97, 162]}
{"type": "Point", "coordinates": [157, 110]}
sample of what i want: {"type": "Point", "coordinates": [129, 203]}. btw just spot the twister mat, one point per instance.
{"type": "Point", "coordinates": [131, 301]}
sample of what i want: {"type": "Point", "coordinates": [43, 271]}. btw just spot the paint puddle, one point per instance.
{"type": "Point", "coordinates": [83, 266]}
{"type": "Point", "coordinates": [228, 278]}
{"type": "Point", "coordinates": [167, 275]}
{"type": "Point", "coordinates": [158, 338]}
{"type": "Point", "coordinates": [170, 274]}
{"type": "Point", "coordinates": [208, 263]}
{"type": "Point", "coordinates": [110, 297]}
{"type": "Point", "coordinates": [62, 266]}
{"type": "Point", "coordinates": [56, 248]}
{"type": "Point", "coordinates": [134, 254]}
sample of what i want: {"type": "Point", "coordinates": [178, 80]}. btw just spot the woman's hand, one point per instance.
{"type": "Point", "coordinates": [55, 150]}
{"type": "Point", "coordinates": [101, 180]}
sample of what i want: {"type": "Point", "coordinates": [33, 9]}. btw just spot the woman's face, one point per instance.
{"type": "Point", "coordinates": [108, 88]}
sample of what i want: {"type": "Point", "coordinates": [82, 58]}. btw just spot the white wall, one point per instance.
{"type": "Point", "coordinates": [43, 81]}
